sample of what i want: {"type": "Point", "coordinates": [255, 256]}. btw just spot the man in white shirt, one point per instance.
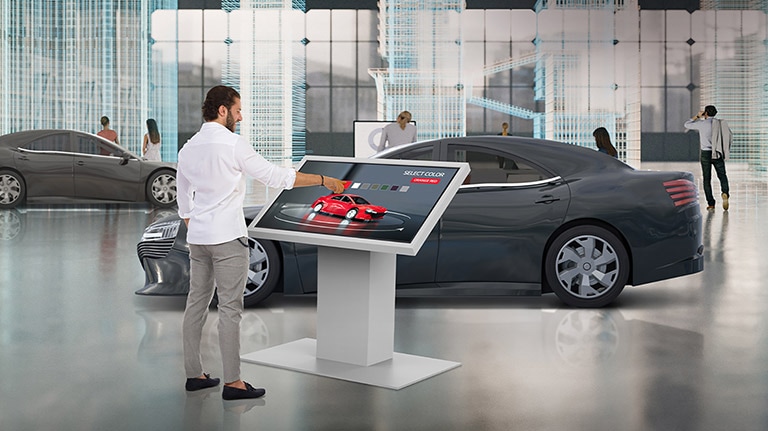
{"type": "Point", "coordinates": [399, 133]}
{"type": "Point", "coordinates": [705, 123]}
{"type": "Point", "coordinates": [211, 175]}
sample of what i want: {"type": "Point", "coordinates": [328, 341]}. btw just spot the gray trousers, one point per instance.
{"type": "Point", "coordinates": [227, 265]}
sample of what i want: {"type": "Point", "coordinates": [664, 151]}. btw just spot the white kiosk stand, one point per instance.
{"type": "Point", "coordinates": [356, 304]}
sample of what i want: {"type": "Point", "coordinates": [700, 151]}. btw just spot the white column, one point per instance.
{"type": "Point", "coordinates": [355, 305]}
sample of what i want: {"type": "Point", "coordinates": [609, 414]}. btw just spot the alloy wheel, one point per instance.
{"type": "Point", "coordinates": [587, 266]}
{"type": "Point", "coordinates": [164, 188]}
{"type": "Point", "coordinates": [10, 189]}
{"type": "Point", "coordinates": [258, 268]}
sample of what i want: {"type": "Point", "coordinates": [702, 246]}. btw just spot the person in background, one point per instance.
{"type": "Point", "coordinates": [106, 132]}
{"type": "Point", "coordinates": [398, 133]}
{"type": "Point", "coordinates": [150, 148]}
{"type": "Point", "coordinates": [715, 140]}
{"type": "Point", "coordinates": [603, 141]}
{"type": "Point", "coordinates": [504, 129]}
{"type": "Point", "coordinates": [211, 181]}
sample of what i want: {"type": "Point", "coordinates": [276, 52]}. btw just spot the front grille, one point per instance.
{"type": "Point", "coordinates": [154, 249]}
{"type": "Point", "coordinates": [161, 231]}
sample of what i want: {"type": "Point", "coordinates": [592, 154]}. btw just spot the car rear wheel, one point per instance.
{"type": "Point", "coordinates": [587, 266]}
{"type": "Point", "coordinates": [351, 214]}
{"type": "Point", "coordinates": [317, 208]}
{"type": "Point", "coordinates": [12, 189]}
{"type": "Point", "coordinates": [161, 189]}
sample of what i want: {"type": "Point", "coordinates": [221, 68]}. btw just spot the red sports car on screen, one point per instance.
{"type": "Point", "coordinates": [348, 206]}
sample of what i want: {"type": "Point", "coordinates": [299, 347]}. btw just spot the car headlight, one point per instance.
{"type": "Point", "coordinates": [161, 231]}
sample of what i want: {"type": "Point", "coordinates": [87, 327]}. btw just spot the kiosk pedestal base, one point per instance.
{"type": "Point", "coordinates": [355, 326]}
{"type": "Point", "coordinates": [396, 373]}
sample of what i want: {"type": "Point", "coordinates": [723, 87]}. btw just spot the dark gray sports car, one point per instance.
{"type": "Point", "coordinates": [534, 216]}
{"type": "Point", "coordinates": [69, 165]}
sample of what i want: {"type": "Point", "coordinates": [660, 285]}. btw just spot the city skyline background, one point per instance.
{"type": "Point", "coordinates": [554, 70]}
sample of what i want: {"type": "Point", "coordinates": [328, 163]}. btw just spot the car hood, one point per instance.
{"type": "Point", "coordinates": [153, 164]}
{"type": "Point", "coordinates": [250, 213]}
{"type": "Point", "coordinates": [374, 208]}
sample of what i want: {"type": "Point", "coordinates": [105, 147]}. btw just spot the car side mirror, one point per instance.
{"type": "Point", "coordinates": [124, 158]}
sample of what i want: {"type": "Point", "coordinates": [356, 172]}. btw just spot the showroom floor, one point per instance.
{"type": "Point", "coordinates": [79, 351]}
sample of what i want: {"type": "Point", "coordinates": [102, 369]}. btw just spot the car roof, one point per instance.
{"type": "Point", "coordinates": [16, 139]}
{"type": "Point", "coordinates": [19, 138]}
{"type": "Point", "coordinates": [561, 158]}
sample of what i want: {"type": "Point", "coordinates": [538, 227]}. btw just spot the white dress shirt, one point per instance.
{"type": "Point", "coordinates": [704, 126]}
{"type": "Point", "coordinates": [211, 184]}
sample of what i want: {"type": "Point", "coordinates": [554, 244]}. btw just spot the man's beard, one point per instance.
{"type": "Point", "coordinates": [231, 124]}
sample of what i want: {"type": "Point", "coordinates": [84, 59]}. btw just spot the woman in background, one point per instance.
{"type": "Point", "coordinates": [398, 133]}
{"type": "Point", "coordinates": [603, 141]}
{"type": "Point", "coordinates": [106, 132]}
{"type": "Point", "coordinates": [151, 146]}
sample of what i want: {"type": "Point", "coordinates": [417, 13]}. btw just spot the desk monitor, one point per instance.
{"type": "Point", "coordinates": [387, 206]}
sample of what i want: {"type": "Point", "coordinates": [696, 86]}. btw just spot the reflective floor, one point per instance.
{"type": "Point", "coordinates": [80, 351]}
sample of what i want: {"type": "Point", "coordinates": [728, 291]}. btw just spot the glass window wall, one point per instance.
{"type": "Point", "coordinates": [687, 60]}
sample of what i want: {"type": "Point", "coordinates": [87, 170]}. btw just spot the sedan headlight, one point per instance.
{"type": "Point", "coordinates": [161, 231]}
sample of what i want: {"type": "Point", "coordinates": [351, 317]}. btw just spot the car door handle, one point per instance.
{"type": "Point", "coordinates": [80, 163]}
{"type": "Point", "coordinates": [547, 199]}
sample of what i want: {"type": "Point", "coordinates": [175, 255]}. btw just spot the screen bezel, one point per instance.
{"type": "Point", "coordinates": [367, 244]}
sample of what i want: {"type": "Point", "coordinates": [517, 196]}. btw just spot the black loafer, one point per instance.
{"type": "Point", "coordinates": [231, 393]}
{"type": "Point", "coordinates": [195, 384]}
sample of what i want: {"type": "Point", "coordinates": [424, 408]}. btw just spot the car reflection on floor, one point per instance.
{"type": "Point", "coordinates": [13, 221]}
{"type": "Point", "coordinates": [568, 340]}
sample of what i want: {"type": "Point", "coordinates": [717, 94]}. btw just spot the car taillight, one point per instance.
{"type": "Point", "coordinates": [682, 192]}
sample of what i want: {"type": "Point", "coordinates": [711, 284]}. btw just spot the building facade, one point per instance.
{"type": "Point", "coordinates": [308, 70]}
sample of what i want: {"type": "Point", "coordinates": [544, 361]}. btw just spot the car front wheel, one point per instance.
{"type": "Point", "coordinates": [161, 189]}
{"type": "Point", "coordinates": [12, 189]}
{"type": "Point", "coordinates": [263, 271]}
{"type": "Point", "coordinates": [351, 214]}
{"type": "Point", "coordinates": [587, 266]}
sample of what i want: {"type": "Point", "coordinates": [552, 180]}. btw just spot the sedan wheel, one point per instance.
{"type": "Point", "coordinates": [12, 189]}
{"type": "Point", "coordinates": [317, 208]}
{"type": "Point", "coordinates": [263, 271]}
{"type": "Point", "coordinates": [161, 189]}
{"type": "Point", "coordinates": [351, 214]}
{"type": "Point", "coordinates": [587, 266]}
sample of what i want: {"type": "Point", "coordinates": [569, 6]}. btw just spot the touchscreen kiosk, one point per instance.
{"type": "Point", "coordinates": [388, 207]}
